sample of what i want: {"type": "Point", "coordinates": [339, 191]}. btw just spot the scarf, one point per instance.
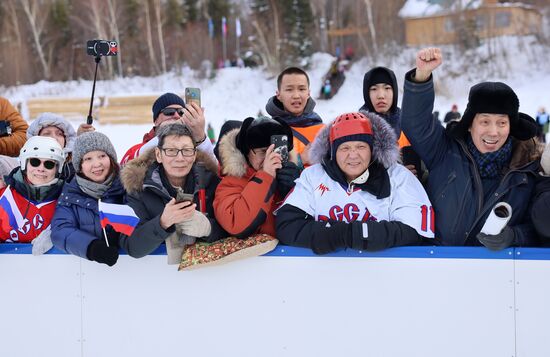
{"type": "Point", "coordinates": [490, 165]}
{"type": "Point", "coordinates": [94, 189]}
{"type": "Point", "coordinates": [36, 193]}
{"type": "Point", "coordinates": [275, 108]}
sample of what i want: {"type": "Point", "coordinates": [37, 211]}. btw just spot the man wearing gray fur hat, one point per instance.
{"type": "Point", "coordinates": [490, 156]}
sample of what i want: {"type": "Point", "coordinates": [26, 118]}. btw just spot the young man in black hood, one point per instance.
{"type": "Point", "coordinates": [380, 93]}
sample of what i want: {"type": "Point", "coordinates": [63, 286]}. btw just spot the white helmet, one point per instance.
{"type": "Point", "coordinates": [42, 147]}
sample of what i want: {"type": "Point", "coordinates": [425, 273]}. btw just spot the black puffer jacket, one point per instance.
{"type": "Point", "coordinates": [148, 197]}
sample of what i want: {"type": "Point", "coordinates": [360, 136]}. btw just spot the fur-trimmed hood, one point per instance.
{"type": "Point", "coordinates": [51, 119]}
{"type": "Point", "coordinates": [232, 160]}
{"type": "Point", "coordinates": [135, 171]}
{"type": "Point", "coordinates": [384, 147]}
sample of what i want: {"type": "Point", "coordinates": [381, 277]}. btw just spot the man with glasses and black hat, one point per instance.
{"type": "Point", "coordinates": [489, 156]}
{"type": "Point", "coordinates": [167, 109]}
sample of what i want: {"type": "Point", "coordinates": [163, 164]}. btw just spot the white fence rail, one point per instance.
{"type": "Point", "coordinates": [412, 301]}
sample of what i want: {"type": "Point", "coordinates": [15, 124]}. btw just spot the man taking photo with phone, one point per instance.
{"type": "Point", "coordinates": [255, 176]}
{"type": "Point", "coordinates": [170, 108]}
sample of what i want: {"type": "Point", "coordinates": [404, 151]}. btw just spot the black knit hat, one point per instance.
{"type": "Point", "coordinates": [165, 100]}
{"type": "Point", "coordinates": [375, 76]}
{"type": "Point", "coordinates": [496, 98]}
{"type": "Point", "coordinates": [256, 133]}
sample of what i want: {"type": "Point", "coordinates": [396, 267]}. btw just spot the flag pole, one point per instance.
{"type": "Point", "coordinates": [104, 232]}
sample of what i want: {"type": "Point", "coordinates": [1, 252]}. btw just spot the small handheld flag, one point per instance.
{"type": "Point", "coordinates": [10, 216]}
{"type": "Point", "coordinates": [122, 218]}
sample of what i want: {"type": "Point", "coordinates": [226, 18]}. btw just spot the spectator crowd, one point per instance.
{"type": "Point", "coordinates": [380, 177]}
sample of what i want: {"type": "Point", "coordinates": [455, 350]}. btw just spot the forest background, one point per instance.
{"type": "Point", "coordinates": [45, 39]}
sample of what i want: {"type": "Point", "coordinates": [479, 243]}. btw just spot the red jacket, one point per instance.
{"type": "Point", "coordinates": [245, 199]}
{"type": "Point", "coordinates": [244, 205]}
{"type": "Point", "coordinates": [37, 217]}
{"type": "Point", "coordinates": [132, 152]}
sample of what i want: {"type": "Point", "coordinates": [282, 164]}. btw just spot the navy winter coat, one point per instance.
{"type": "Point", "coordinates": [454, 184]}
{"type": "Point", "coordinates": [75, 223]}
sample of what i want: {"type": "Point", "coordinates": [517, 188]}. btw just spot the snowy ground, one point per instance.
{"type": "Point", "coordinates": [238, 93]}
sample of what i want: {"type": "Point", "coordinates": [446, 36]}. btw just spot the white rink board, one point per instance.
{"type": "Point", "coordinates": [400, 303]}
{"type": "Point", "coordinates": [533, 307]}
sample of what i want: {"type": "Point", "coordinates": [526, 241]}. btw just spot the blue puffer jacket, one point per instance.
{"type": "Point", "coordinates": [75, 223]}
{"type": "Point", "coordinates": [454, 184]}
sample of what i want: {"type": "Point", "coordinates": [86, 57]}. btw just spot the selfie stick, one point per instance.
{"type": "Point", "coordinates": [90, 120]}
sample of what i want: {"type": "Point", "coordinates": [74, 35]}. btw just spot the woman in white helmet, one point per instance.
{"type": "Point", "coordinates": [27, 203]}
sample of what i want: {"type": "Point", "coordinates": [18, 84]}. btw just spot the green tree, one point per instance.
{"type": "Point", "coordinates": [191, 10]}
{"type": "Point", "coordinates": [175, 13]}
{"type": "Point", "coordinates": [298, 21]}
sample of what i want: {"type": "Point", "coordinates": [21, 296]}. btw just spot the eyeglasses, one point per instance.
{"type": "Point", "coordinates": [171, 111]}
{"type": "Point", "coordinates": [48, 164]}
{"type": "Point", "coordinates": [260, 153]}
{"type": "Point", "coordinates": [172, 152]}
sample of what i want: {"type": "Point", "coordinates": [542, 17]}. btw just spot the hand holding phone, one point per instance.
{"type": "Point", "coordinates": [281, 146]}
{"type": "Point", "coordinates": [184, 197]}
{"type": "Point", "coordinates": [193, 95]}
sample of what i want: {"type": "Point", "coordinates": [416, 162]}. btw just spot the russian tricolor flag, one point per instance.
{"type": "Point", "coordinates": [122, 218]}
{"type": "Point", "coordinates": [10, 216]}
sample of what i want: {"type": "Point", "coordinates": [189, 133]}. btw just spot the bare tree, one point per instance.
{"type": "Point", "coordinates": [14, 21]}
{"type": "Point", "coordinates": [319, 10]}
{"type": "Point", "coordinates": [36, 13]}
{"type": "Point", "coordinates": [372, 29]}
{"type": "Point", "coordinates": [113, 25]}
{"type": "Point", "coordinates": [158, 19]}
{"type": "Point", "coordinates": [152, 57]}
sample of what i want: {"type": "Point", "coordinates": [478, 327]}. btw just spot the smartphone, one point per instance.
{"type": "Point", "coordinates": [193, 95]}
{"type": "Point", "coordinates": [183, 197]}
{"type": "Point", "coordinates": [281, 146]}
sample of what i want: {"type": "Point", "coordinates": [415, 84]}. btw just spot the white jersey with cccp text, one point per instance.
{"type": "Point", "coordinates": [325, 199]}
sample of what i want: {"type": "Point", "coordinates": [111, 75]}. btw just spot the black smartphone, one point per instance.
{"type": "Point", "coordinates": [183, 197]}
{"type": "Point", "coordinates": [410, 157]}
{"type": "Point", "coordinates": [281, 146]}
{"type": "Point", "coordinates": [193, 95]}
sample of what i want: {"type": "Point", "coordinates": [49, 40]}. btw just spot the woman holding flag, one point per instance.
{"type": "Point", "coordinates": [27, 203]}
{"type": "Point", "coordinates": [77, 227]}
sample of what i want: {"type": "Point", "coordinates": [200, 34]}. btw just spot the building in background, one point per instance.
{"type": "Point", "coordinates": [438, 22]}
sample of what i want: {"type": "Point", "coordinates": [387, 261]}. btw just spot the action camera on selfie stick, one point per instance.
{"type": "Point", "coordinates": [98, 48]}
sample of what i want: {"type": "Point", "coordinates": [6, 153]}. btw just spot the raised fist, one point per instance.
{"type": "Point", "coordinates": [427, 60]}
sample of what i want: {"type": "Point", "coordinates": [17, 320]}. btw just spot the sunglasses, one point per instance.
{"type": "Point", "coordinates": [48, 164]}
{"type": "Point", "coordinates": [171, 111]}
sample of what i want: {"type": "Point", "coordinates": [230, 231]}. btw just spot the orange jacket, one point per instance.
{"type": "Point", "coordinates": [11, 144]}
{"type": "Point", "coordinates": [244, 205]}
{"type": "Point", "coordinates": [403, 141]}
{"type": "Point", "coordinates": [309, 133]}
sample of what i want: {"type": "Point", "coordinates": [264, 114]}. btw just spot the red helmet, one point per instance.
{"type": "Point", "coordinates": [350, 124]}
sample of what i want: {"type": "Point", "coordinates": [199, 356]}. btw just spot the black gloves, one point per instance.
{"type": "Point", "coordinates": [499, 241]}
{"type": "Point", "coordinates": [99, 252]}
{"type": "Point", "coordinates": [285, 178]}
